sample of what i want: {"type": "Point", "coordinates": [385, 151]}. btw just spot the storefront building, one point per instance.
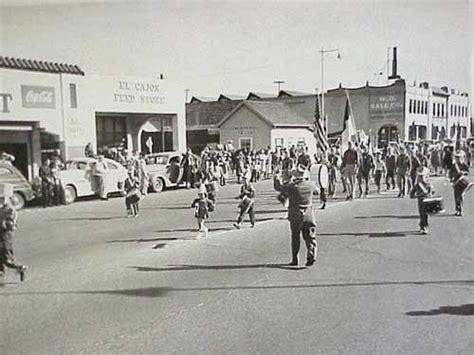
{"type": "Point", "coordinates": [267, 125]}
{"type": "Point", "coordinates": [56, 109]}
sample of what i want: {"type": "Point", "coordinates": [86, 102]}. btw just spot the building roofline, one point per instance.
{"type": "Point", "coordinates": [39, 66]}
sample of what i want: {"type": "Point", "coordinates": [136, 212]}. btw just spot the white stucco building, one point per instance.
{"type": "Point", "coordinates": [51, 108]}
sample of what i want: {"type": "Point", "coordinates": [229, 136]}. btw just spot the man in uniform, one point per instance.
{"type": "Point", "coordinates": [300, 212]}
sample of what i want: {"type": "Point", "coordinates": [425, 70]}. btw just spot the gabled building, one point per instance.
{"type": "Point", "coordinates": [263, 124]}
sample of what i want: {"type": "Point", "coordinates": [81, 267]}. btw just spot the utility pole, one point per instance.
{"type": "Point", "coordinates": [278, 82]}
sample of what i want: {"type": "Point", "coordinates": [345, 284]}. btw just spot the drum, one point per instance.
{"type": "Point", "coordinates": [462, 184]}
{"type": "Point", "coordinates": [322, 174]}
{"type": "Point", "coordinates": [134, 196]}
{"type": "Point", "coordinates": [433, 205]}
{"type": "Point", "coordinates": [245, 203]}
{"type": "Point", "coordinates": [211, 187]}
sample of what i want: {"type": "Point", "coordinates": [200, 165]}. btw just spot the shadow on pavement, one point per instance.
{"type": "Point", "coordinates": [162, 291]}
{"type": "Point", "coordinates": [216, 267]}
{"type": "Point", "coordinates": [402, 216]}
{"type": "Point", "coordinates": [89, 218]}
{"type": "Point", "coordinates": [142, 240]}
{"type": "Point", "coordinates": [194, 229]}
{"type": "Point", "coordinates": [369, 234]}
{"type": "Point", "coordinates": [462, 310]}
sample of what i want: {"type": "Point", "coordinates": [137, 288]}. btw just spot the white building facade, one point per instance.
{"type": "Point", "coordinates": [50, 108]}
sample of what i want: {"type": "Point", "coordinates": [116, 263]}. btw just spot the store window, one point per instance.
{"type": "Point", "coordinates": [111, 131]}
{"type": "Point", "coordinates": [245, 142]}
{"type": "Point", "coordinates": [412, 133]}
{"type": "Point", "coordinates": [73, 95]}
{"type": "Point", "coordinates": [421, 132]}
{"type": "Point", "coordinates": [279, 143]}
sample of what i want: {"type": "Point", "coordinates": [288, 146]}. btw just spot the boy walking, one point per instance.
{"type": "Point", "coordinates": [247, 195]}
{"type": "Point", "coordinates": [421, 190]}
{"type": "Point", "coordinates": [8, 225]}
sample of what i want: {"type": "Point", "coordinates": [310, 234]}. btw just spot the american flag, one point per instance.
{"type": "Point", "coordinates": [320, 132]}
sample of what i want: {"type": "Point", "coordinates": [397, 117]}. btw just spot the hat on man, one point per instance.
{"type": "Point", "coordinates": [300, 173]}
{"type": "Point", "coordinates": [6, 190]}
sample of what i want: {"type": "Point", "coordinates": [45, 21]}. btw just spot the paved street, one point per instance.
{"type": "Point", "coordinates": [101, 283]}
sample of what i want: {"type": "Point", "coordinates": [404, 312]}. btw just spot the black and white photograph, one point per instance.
{"type": "Point", "coordinates": [236, 177]}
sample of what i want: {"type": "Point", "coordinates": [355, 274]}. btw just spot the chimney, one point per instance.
{"type": "Point", "coordinates": [394, 65]}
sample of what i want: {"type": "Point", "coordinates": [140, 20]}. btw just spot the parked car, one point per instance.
{"type": "Point", "coordinates": [78, 181]}
{"type": "Point", "coordinates": [165, 169]}
{"type": "Point", "coordinates": [22, 190]}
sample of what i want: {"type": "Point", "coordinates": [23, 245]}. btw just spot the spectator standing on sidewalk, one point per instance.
{"type": "Point", "coordinates": [100, 173]}
{"type": "Point", "coordinates": [46, 183]}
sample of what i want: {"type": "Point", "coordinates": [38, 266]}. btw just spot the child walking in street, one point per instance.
{"type": "Point", "coordinates": [247, 195]}
{"type": "Point", "coordinates": [461, 184]}
{"type": "Point", "coordinates": [133, 194]}
{"type": "Point", "coordinates": [8, 225]}
{"type": "Point", "coordinates": [202, 206]}
{"type": "Point", "coordinates": [421, 190]}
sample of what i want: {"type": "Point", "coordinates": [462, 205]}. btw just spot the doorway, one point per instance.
{"type": "Point", "coordinates": [386, 134]}
{"type": "Point", "coordinates": [20, 152]}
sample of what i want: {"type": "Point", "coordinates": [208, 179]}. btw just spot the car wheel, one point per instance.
{"type": "Point", "coordinates": [70, 194]}
{"type": "Point", "coordinates": [18, 201]}
{"type": "Point", "coordinates": [157, 185]}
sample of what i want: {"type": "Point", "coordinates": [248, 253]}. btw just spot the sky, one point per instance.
{"type": "Point", "coordinates": [234, 47]}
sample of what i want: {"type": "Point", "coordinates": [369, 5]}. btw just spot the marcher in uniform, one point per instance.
{"type": "Point", "coordinates": [380, 170]}
{"type": "Point", "coordinates": [402, 168]}
{"type": "Point", "coordinates": [300, 213]}
{"type": "Point", "coordinates": [247, 195]}
{"type": "Point", "coordinates": [421, 190]}
{"type": "Point", "coordinates": [350, 161]}
{"type": "Point", "coordinates": [460, 184]}
{"type": "Point", "coordinates": [133, 193]}
{"type": "Point", "coordinates": [202, 206]}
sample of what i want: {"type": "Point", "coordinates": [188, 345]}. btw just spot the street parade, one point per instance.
{"type": "Point", "coordinates": [236, 177]}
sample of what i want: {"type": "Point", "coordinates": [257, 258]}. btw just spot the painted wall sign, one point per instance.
{"type": "Point", "coordinates": [138, 92]}
{"type": "Point", "coordinates": [38, 96]}
{"type": "Point", "coordinates": [6, 98]}
{"type": "Point", "coordinates": [386, 106]}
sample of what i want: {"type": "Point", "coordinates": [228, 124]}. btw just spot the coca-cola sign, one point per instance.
{"type": "Point", "coordinates": [38, 96]}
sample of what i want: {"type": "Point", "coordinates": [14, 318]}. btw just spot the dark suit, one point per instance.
{"type": "Point", "coordinates": [300, 215]}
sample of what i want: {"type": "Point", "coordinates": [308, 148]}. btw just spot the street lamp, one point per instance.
{"type": "Point", "coordinates": [278, 82]}
{"type": "Point", "coordinates": [323, 52]}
